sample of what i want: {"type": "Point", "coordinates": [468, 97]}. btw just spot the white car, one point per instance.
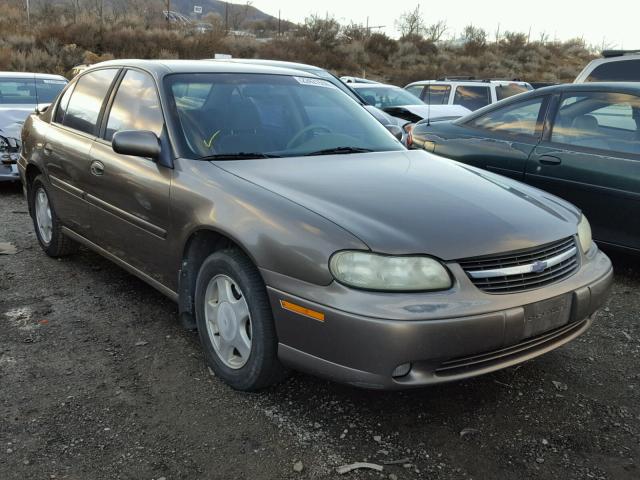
{"type": "Point", "coordinates": [615, 66]}
{"type": "Point", "coordinates": [20, 95]}
{"type": "Point", "coordinates": [405, 107]}
{"type": "Point", "coordinates": [469, 93]}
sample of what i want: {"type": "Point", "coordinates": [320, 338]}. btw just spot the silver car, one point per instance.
{"type": "Point", "coordinates": [20, 95]}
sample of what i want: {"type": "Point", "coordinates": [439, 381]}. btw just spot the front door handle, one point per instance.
{"type": "Point", "coordinates": [47, 149]}
{"type": "Point", "coordinates": [97, 168]}
{"type": "Point", "coordinates": [550, 160]}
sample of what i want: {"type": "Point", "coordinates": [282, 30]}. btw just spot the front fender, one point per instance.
{"type": "Point", "coordinates": [278, 234]}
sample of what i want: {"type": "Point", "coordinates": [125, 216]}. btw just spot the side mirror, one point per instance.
{"type": "Point", "coordinates": [42, 107]}
{"type": "Point", "coordinates": [395, 130]}
{"type": "Point", "coordinates": [137, 143]}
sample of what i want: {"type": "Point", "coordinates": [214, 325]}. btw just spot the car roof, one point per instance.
{"type": "Point", "coordinates": [31, 75]}
{"type": "Point", "coordinates": [372, 85]}
{"type": "Point", "coordinates": [166, 67]}
{"type": "Point", "coordinates": [632, 87]}
{"type": "Point", "coordinates": [468, 82]}
{"type": "Point", "coordinates": [271, 63]}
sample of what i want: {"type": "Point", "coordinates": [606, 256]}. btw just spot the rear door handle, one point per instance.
{"type": "Point", "coordinates": [97, 168]}
{"type": "Point", "coordinates": [550, 160]}
{"type": "Point", "coordinates": [47, 149]}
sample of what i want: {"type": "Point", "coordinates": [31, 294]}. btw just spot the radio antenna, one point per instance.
{"type": "Point", "coordinates": [429, 105]}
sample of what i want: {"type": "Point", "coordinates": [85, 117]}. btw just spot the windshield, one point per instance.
{"type": "Point", "coordinates": [257, 115]}
{"type": "Point", "coordinates": [384, 97]}
{"type": "Point", "coordinates": [29, 91]}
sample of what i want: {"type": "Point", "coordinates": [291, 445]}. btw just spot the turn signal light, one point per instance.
{"type": "Point", "coordinates": [300, 310]}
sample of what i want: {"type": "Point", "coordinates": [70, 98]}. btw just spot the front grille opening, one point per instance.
{"type": "Point", "coordinates": [509, 283]}
{"type": "Point", "coordinates": [470, 363]}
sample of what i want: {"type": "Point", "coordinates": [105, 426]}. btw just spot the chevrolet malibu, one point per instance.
{"type": "Point", "coordinates": [295, 232]}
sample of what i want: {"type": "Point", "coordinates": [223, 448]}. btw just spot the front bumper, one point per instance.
{"type": "Point", "coordinates": [9, 173]}
{"type": "Point", "coordinates": [471, 334]}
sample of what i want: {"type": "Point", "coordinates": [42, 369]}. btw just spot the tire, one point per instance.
{"type": "Point", "coordinates": [226, 279]}
{"type": "Point", "coordinates": [48, 228]}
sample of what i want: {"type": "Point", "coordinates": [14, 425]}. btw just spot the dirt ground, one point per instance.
{"type": "Point", "coordinates": [99, 381]}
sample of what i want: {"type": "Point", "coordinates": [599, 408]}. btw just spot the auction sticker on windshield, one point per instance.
{"type": "Point", "coordinates": [316, 82]}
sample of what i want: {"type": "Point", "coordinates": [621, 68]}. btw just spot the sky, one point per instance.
{"type": "Point", "coordinates": [613, 23]}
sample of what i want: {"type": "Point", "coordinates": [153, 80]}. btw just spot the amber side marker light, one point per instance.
{"type": "Point", "coordinates": [300, 310]}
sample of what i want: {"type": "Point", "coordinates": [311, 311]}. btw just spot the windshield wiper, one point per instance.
{"type": "Point", "coordinates": [238, 156]}
{"type": "Point", "coordinates": [338, 151]}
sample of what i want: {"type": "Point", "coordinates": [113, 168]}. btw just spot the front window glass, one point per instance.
{"type": "Point", "coordinates": [270, 115]}
{"type": "Point", "coordinates": [472, 97]}
{"type": "Point", "coordinates": [29, 91]}
{"type": "Point", "coordinates": [601, 120]}
{"type": "Point", "coordinates": [136, 106]}
{"type": "Point", "coordinates": [384, 97]}
{"type": "Point", "coordinates": [522, 118]}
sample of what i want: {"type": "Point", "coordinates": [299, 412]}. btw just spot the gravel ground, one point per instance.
{"type": "Point", "coordinates": [98, 381]}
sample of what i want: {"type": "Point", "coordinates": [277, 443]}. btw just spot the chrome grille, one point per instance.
{"type": "Point", "coordinates": [525, 269]}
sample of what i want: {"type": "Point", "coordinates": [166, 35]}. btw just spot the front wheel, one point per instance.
{"type": "Point", "coordinates": [46, 223]}
{"type": "Point", "coordinates": [235, 322]}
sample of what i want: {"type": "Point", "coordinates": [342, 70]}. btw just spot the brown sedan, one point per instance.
{"type": "Point", "coordinates": [295, 231]}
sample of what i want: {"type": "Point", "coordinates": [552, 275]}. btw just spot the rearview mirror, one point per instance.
{"type": "Point", "coordinates": [395, 130]}
{"type": "Point", "coordinates": [137, 143]}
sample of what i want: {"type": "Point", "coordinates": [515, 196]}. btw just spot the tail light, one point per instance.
{"type": "Point", "coordinates": [408, 129]}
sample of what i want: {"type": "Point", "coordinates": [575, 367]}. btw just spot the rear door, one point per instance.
{"type": "Point", "coordinates": [501, 139]}
{"type": "Point", "coordinates": [590, 156]}
{"type": "Point", "coordinates": [68, 142]}
{"type": "Point", "coordinates": [129, 196]}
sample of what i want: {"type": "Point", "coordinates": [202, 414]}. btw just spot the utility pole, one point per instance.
{"type": "Point", "coordinates": [168, 11]}
{"type": "Point", "coordinates": [279, 24]}
{"type": "Point", "coordinates": [226, 17]}
{"type": "Point", "coordinates": [28, 15]}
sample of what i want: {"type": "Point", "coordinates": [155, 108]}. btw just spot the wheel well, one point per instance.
{"type": "Point", "coordinates": [31, 173]}
{"type": "Point", "coordinates": [200, 245]}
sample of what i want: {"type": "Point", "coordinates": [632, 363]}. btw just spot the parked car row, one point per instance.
{"type": "Point", "coordinates": [295, 231]}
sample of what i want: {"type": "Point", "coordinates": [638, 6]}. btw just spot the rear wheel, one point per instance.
{"type": "Point", "coordinates": [235, 322]}
{"type": "Point", "coordinates": [47, 224]}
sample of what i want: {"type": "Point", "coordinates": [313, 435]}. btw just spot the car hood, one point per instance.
{"type": "Point", "coordinates": [409, 202]}
{"type": "Point", "coordinates": [432, 112]}
{"type": "Point", "coordinates": [12, 117]}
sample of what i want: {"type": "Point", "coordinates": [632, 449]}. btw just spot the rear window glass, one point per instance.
{"type": "Point", "coordinates": [620, 71]}
{"type": "Point", "coordinates": [86, 100]}
{"type": "Point", "coordinates": [28, 91]}
{"type": "Point", "coordinates": [506, 91]}
{"type": "Point", "coordinates": [600, 120]}
{"type": "Point", "coordinates": [471, 97]}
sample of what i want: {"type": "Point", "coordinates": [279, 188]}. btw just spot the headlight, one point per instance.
{"type": "Point", "coordinates": [584, 234]}
{"type": "Point", "coordinates": [382, 272]}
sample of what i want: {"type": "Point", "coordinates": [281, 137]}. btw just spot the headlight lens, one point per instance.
{"type": "Point", "coordinates": [584, 234]}
{"type": "Point", "coordinates": [382, 272]}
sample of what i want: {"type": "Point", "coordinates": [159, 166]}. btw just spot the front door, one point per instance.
{"type": "Point", "coordinates": [501, 139]}
{"type": "Point", "coordinates": [129, 196]}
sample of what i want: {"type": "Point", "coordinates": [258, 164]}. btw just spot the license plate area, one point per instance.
{"type": "Point", "coordinates": [546, 315]}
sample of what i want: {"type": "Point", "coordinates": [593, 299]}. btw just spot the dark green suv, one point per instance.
{"type": "Point", "coordinates": [578, 141]}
